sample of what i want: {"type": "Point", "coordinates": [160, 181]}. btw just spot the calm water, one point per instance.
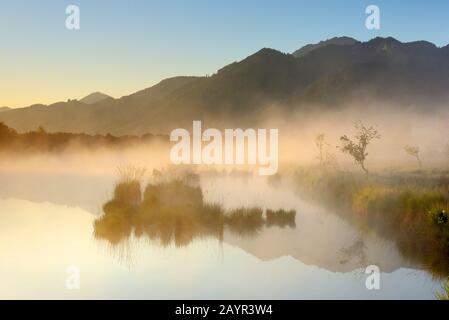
{"type": "Point", "coordinates": [46, 226]}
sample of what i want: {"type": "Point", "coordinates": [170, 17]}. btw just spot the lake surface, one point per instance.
{"type": "Point", "coordinates": [46, 227]}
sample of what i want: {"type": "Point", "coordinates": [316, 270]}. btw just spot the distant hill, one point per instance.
{"type": "Point", "coordinates": [95, 97]}
{"type": "Point", "coordinates": [382, 70]}
{"type": "Point", "coordinates": [4, 109]}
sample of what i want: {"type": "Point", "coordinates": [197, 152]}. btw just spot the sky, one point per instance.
{"type": "Point", "coordinates": [125, 46]}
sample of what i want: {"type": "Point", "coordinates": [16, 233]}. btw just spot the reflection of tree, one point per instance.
{"type": "Point", "coordinates": [174, 212]}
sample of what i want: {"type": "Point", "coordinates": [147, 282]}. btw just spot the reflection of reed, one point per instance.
{"type": "Point", "coordinates": [245, 222]}
{"type": "Point", "coordinates": [281, 218]}
{"type": "Point", "coordinates": [174, 212]}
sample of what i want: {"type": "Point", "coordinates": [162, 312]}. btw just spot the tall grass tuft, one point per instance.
{"type": "Point", "coordinates": [128, 187]}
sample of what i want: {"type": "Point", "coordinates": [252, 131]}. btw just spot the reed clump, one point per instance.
{"type": "Point", "coordinates": [172, 212]}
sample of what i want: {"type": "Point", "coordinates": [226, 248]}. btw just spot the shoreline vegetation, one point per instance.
{"type": "Point", "coordinates": [42, 141]}
{"type": "Point", "coordinates": [173, 212]}
{"type": "Point", "coordinates": [410, 209]}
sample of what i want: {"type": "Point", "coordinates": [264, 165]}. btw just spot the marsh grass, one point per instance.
{"type": "Point", "coordinates": [174, 193]}
{"type": "Point", "coordinates": [117, 221]}
{"type": "Point", "coordinates": [172, 212]}
{"type": "Point", "coordinates": [281, 218]}
{"type": "Point", "coordinates": [131, 173]}
{"type": "Point", "coordinates": [245, 221]}
{"type": "Point", "coordinates": [444, 295]}
{"type": "Point", "coordinates": [407, 208]}
{"type": "Point", "coordinates": [128, 187]}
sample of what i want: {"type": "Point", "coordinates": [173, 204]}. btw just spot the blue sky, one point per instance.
{"type": "Point", "coordinates": [125, 46]}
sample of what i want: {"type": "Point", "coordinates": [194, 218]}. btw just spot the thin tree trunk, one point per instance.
{"type": "Point", "coordinates": [364, 169]}
{"type": "Point", "coordinates": [419, 162]}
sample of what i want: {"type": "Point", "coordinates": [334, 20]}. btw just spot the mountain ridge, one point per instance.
{"type": "Point", "coordinates": [332, 41]}
{"type": "Point", "coordinates": [383, 70]}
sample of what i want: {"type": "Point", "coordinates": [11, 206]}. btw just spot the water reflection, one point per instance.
{"type": "Point", "coordinates": [314, 255]}
{"type": "Point", "coordinates": [175, 212]}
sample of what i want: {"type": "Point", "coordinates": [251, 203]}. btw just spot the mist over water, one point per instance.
{"type": "Point", "coordinates": [49, 215]}
{"type": "Point", "coordinates": [49, 202]}
{"type": "Point", "coordinates": [48, 237]}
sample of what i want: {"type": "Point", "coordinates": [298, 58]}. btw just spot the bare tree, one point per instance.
{"type": "Point", "coordinates": [414, 152]}
{"type": "Point", "coordinates": [357, 146]}
{"type": "Point", "coordinates": [326, 158]}
{"type": "Point", "coordinates": [319, 141]}
{"type": "Point", "coordinates": [330, 159]}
